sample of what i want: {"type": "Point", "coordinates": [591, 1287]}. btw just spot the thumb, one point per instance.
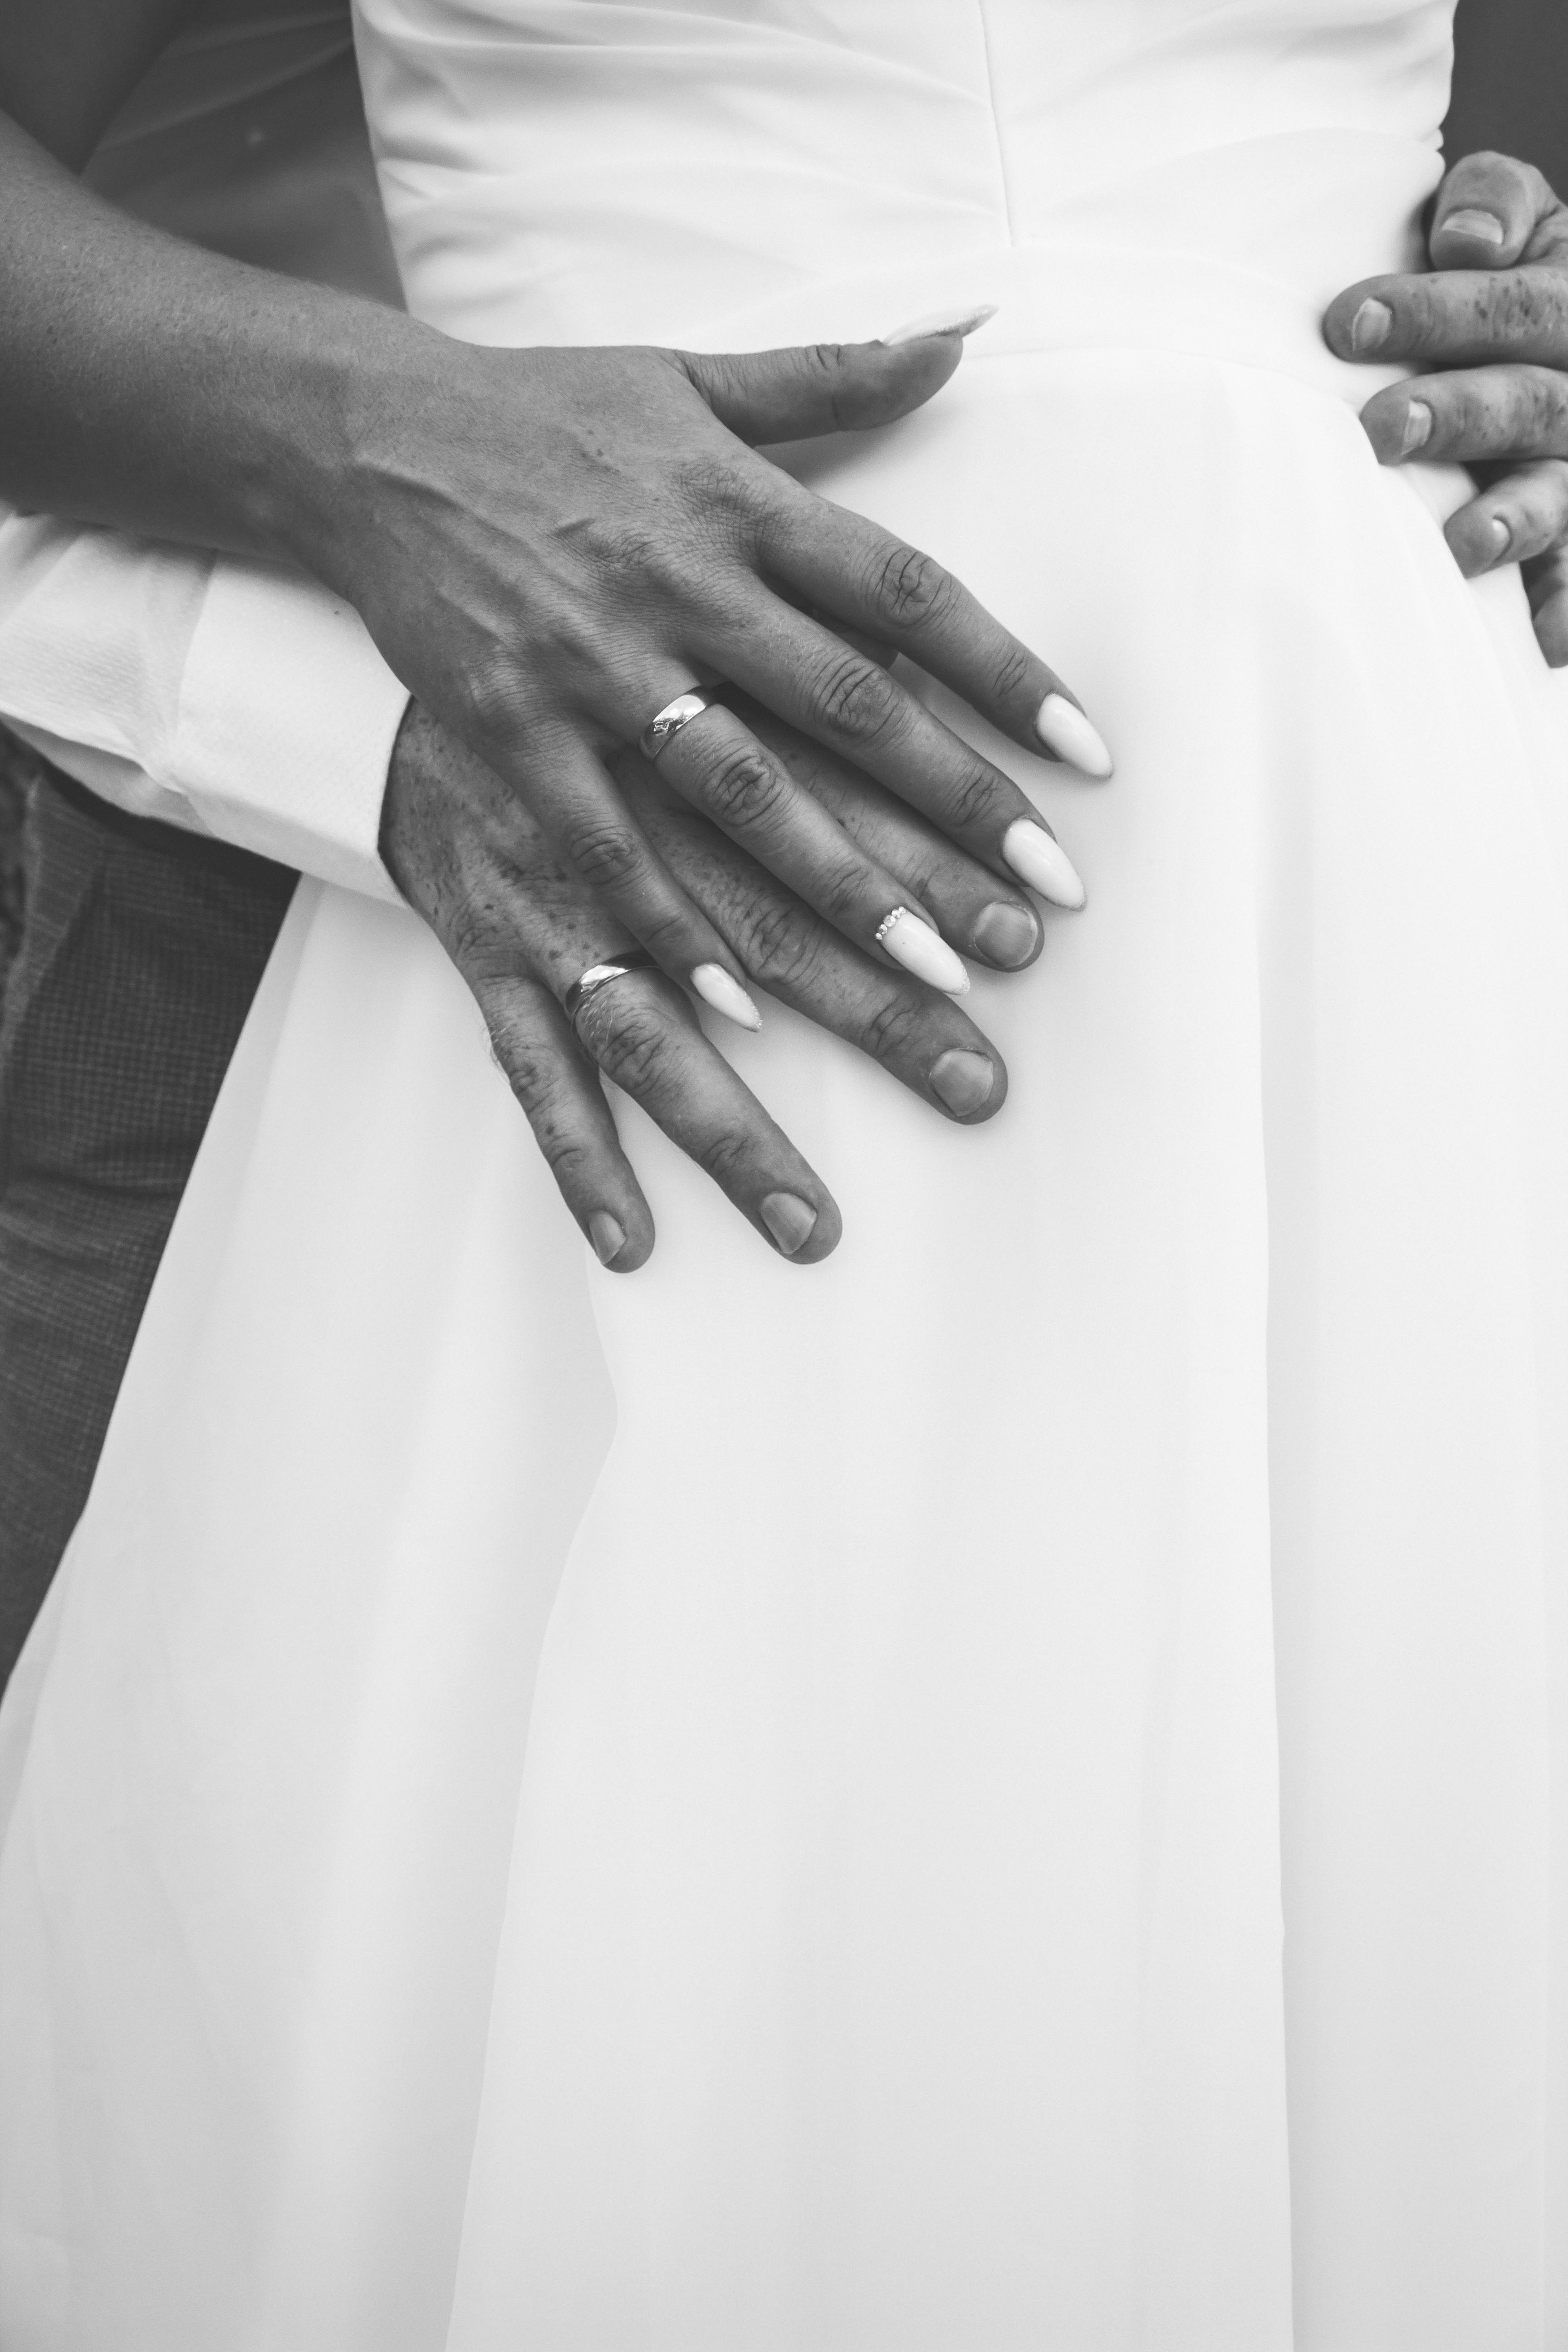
{"type": "Point", "coordinates": [811, 388]}
{"type": "Point", "coordinates": [1486, 212]}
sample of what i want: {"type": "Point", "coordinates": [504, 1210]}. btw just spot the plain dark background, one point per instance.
{"type": "Point", "coordinates": [1510, 82]}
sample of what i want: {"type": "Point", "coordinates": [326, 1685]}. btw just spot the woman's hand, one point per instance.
{"type": "Point", "coordinates": [550, 545]}
{"type": "Point", "coordinates": [522, 928]}
{"type": "Point", "coordinates": [1494, 317]}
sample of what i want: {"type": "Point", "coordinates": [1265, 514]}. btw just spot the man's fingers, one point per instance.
{"type": "Point", "coordinates": [1467, 317]}
{"type": "Point", "coordinates": [923, 1039]}
{"type": "Point", "coordinates": [812, 388]}
{"type": "Point", "coordinates": [587, 818]}
{"type": "Point", "coordinates": [559, 1089]}
{"type": "Point", "coordinates": [643, 1034]}
{"type": "Point", "coordinates": [1521, 515]}
{"type": "Point", "coordinates": [1486, 212]}
{"type": "Point", "coordinates": [1546, 585]}
{"type": "Point", "coordinates": [1471, 414]}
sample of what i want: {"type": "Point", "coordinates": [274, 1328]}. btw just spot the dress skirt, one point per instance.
{"type": "Point", "coordinates": [1007, 1791]}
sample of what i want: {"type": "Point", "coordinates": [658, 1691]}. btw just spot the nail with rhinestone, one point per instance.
{"type": "Point", "coordinates": [915, 943]}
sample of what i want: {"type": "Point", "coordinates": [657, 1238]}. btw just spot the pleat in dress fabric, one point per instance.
{"type": "Point", "coordinates": [1007, 1789]}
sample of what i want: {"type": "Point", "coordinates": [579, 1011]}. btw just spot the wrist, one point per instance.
{"type": "Point", "coordinates": [315, 495]}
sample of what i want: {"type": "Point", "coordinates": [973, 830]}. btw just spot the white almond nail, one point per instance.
{"type": "Point", "coordinates": [1063, 728]}
{"type": "Point", "coordinates": [715, 987]}
{"type": "Point", "coordinates": [943, 323]}
{"type": "Point", "coordinates": [1038, 859]}
{"type": "Point", "coordinates": [920, 950]}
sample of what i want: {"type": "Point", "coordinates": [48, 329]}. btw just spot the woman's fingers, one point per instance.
{"type": "Point", "coordinates": [840, 698]}
{"type": "Point", "coordinates": [642, 1033]}
{"type": "Point", "coordinates": [811, 388]}
{"type": "Point", "coordinates": [980, 917]}
{"type": "Point", "coordinates": [922, 1038]}
{"type": "Point", "coordinates": [865, 576]}
{"type": "Point", "coordinates": [1471, 414]}
{"type": "Point", "coordinates": [559, 1089]}
{"type": "Point", "coordinates": [717, 764]}
{"type": "Point", "coordinates": [1523, 514]}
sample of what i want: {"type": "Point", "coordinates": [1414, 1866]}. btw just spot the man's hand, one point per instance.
{"type": "Point", "coordinates": [1493, 315]}
{"type": "Point", "coordinates": [522, 928]}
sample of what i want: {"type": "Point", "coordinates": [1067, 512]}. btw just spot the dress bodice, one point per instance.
{"type": "Point", "coordinates": [591, 170]}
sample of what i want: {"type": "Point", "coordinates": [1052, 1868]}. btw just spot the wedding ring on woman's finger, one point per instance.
{"type": "Point", "coordinates": [666, 724]}
{"type": "Point", "coordinates": [600, 975]}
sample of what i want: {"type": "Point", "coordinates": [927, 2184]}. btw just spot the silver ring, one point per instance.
{"type": "Point", "coordinates": [599, 975]}
{"type": "Point", "coordinates": [666, 724]}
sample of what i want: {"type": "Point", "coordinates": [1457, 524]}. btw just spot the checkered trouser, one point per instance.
{"type": "Point", "coordinates": [140, 951]}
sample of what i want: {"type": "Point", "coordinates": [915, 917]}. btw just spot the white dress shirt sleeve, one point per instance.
{"type": "Point", "coordinates": [226, 696]}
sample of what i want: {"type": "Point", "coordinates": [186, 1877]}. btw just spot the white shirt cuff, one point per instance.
{"type": "Point", "coordinates": [285, 726]}
{"type": "Point", "coordinates": [235, 699]}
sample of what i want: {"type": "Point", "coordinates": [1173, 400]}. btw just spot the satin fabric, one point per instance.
{"type": "Point", "coordinates": [1006, 1790]}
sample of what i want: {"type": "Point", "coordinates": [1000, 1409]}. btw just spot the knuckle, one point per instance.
{"type": "Point", "coordinates": [723, 492]}
{"type": "Point", "coordinates": [743, 787]}
{"type": "Point", "coordinates": [568, 1157]}
{"type": "Point", "coordinates": [974, 796]}
{"type": "Point", "coordinates": [1011, 672]}
{"type": "Point", "coordinates": [854, 698]}
{"type": "Point", "coordinates": [911, 590]}
{"type": "Point", "coordinates": [606, 857]}
{"type": "Point", "coordinates": [491, 686]}
{"type": "Point", "coordinates": [725, 1155]}
{"type": "Point", "coordinates": [628, 1039]}
{"type": "Point", "coordinates": [892, 1031]}
{"type": "Point", "coordinates": [782, 945]}
{"type": "Point", "coordinates": [839, 893]}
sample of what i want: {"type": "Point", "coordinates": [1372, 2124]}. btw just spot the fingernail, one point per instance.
{"type": "Point", "coordinates": [1418, 429]}
{"type": "Point", "coordinates": [607, 1237]}
{"type": "Point", "coordinates": [943, 323]}
{"type": "Point", "coordinates": [920, 950]}
{"type": "Point", "coordinates": [1063, 728]}
{"type": "Point", "coordinates": [1501, 538]}
{"type": "Point", "coordinates": [1472, 222]}
{"type": "Point", "coordinates": [1038, 859]}
{"type": "Point", "coordinates": [962, 1079]}
{"type": "Point", "coordinates": [789, 1220]}
{"type": "Point", "coordinates": [1368, 328]}
{"type": "Point", "coordinates": [1006, 933]}
{"type": "Point", "coordinates": [715, 987]}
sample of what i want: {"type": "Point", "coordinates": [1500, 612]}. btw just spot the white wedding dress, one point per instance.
{"type": "Point", "coordinates": [1007, 1793]}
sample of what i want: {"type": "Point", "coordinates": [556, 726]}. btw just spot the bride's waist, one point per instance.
{"type": "Point", "coordinates": [1231, 253]}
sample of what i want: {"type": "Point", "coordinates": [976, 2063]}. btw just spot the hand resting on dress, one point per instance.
{"type": "Point", "coordinates": [548, 544]}
{"type": "Point", "coordinates": [522, 928]}
{"type": "Point", "coordinates": [1493, 317]}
